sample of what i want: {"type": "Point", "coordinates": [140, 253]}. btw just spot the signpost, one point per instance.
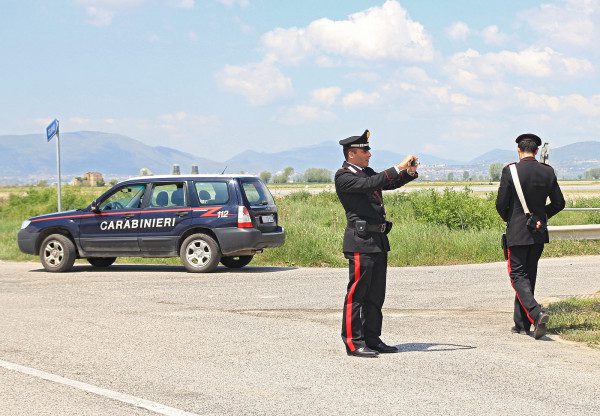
{"type": "Point", "coordinates": [51, 131]}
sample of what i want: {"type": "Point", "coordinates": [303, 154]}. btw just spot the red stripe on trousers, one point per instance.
{"type": "Point", "coordinates": [517, 293]}
{"type": "Point", "coordinates": [349, 302]}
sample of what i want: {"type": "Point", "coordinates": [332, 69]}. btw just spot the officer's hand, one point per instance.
{"type": "Point", "coordinates": [405, 164]}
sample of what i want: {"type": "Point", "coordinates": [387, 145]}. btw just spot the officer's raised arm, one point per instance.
{"type": "Point", "coordinates": [350, 182]}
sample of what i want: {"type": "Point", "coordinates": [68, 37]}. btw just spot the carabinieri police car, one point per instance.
{"type": "Point", "coordinates": [200, 218]}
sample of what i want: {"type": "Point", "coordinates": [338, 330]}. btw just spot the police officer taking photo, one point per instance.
{"type": "Point", "coordinates": [524, 189]}
{"type": "Point", "coordinates": [366, 244]}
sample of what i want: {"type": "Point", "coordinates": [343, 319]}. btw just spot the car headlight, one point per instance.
{"type": "Point", "coordinates": [25, 224]}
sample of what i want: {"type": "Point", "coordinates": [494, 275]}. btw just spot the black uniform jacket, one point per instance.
{"type": "Point", "coordinates": [360, 192]}
{"type": "Point", "coordinates": [538, 182]}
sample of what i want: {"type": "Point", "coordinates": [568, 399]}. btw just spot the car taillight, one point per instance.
{"type": "Point", "coordinates": [244, 220]}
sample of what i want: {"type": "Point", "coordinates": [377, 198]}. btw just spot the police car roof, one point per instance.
{"type": "Point", "coordinates": [189, 177]}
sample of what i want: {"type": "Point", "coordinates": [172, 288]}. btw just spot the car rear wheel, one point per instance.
{"type": "Point", "coordinates": [200, 253]}
{"type": "Point", "coordinates": [101, 261]}
{"type": "Point", "coordinates": [236, 262]}
{"type": "Point", "coordinates": [57, 253]}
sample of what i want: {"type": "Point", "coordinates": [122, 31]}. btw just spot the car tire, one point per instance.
{"type": "Point", "coordinates": [200, 253]}
{"type": "Point", "coordinates": [57, 253]}
{"type": "Point", "coordinates": [236, 262]}
{"type": "Point", "coordinates": [101, 262]}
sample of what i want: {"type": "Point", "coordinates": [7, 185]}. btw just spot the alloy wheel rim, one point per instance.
{"type": "Point", "coordinates": [54, 253]}
{"type": "Point", "coordinates": [198, 253]}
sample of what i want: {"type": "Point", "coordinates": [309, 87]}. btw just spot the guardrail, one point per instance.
{"type": "Point", "coordinates": [575, 232]}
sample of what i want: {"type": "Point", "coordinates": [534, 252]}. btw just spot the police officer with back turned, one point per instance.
{"type": "Point", "coordinates": [526, 234]}
{"type": "Point", "coordinates": [366, 244]}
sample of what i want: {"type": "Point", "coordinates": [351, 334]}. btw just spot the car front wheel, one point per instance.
{"type": "Point", "coordinates": [101, 261]}
{"type": "Point", "coordinates": [57, 253]}
{"type": "Point", "coordinates": [236, 262]}
{"type": "Point", "coordinates": [200, 253]}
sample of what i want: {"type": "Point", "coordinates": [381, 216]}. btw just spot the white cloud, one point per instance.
{"type": "Point", "coordinates": [574, 22]}
{"type": "Point", "coordinates": [326, 96]}
{"type": "Point", "coordinates": [586, 106]}
{"type": "Point", "coordinates": [378, 33]}
{"type": "Point", "coordinates": [532, 62]}
{"type": "Point", "coordinates": [99, 17]}
{"type": "Point", "coordinates": [193, 36]}
{"type": "Point", "coordinates": [260, 83]}
{"type": "Point", "coordinates": [231, 3]}
{"type": "Point", "coordinates": [301, 114]}
{"type": "Point", "coordinates": [492, 36]}
{"type": "Point", "coordinates": [183, 4]}
{"type": "Point", "coordinates": [102, 12]}
{"type": "Point", "coordinates": [458, 31]}
{"type": "Point", "coordinates": [360, 98]}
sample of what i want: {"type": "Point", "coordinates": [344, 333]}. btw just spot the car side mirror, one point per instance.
{"type": "Point", "coordinates": [94, 207]}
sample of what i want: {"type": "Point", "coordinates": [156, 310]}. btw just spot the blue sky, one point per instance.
{"type": "Point", "coordinates": [215, 77]}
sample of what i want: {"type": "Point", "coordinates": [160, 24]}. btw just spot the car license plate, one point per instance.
{"type": "Point", "coordinates": [267, 219]}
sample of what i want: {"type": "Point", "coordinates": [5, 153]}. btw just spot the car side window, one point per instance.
{"type": "Point", "coordinates": [167, 195]}
{"type": "Point", "coordinates": [212, 192]}
{"type": "Point", "coordinates": [126, 197]}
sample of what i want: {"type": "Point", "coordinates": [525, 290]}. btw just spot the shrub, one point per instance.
{"type": "Point", "coordinates": [456, 210]}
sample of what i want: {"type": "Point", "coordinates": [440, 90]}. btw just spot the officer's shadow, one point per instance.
{"type": "Point", "coordinates": [431, 347]}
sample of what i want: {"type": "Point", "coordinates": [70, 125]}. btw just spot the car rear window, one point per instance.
{"type": "Point", "coordinates": [256, 192]}
{"type": "Point", "coordinates": [212, 193]}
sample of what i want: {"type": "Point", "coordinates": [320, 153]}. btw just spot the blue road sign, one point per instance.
{"type": "Point", "coordinates": [52, 130]}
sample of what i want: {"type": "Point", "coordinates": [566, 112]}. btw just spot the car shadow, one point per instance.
{"type": "Point", "coordinates": [124, 268]}
{"type": "Point", "coordinates": [431, 347]}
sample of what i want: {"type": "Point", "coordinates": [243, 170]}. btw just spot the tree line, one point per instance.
{"type": "Point", "coordinates": [312, 175]}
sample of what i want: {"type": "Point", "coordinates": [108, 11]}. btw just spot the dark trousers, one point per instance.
{"type": "Point", "coordinates": [362, 317]}
{"type": "Point", "coordinates": [522, 269]}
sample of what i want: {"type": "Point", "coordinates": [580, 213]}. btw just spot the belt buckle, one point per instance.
{"type": "Point", "coordinates": [382, 228]}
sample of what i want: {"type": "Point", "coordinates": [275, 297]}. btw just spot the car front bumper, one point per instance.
{"type": "Point", "coordinates": [26, 240]}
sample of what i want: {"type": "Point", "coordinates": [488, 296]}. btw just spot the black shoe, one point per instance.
{"type": "Point", "coordinates": [383, 348]}
{"type": "Point", "coordinates": [364, 352]}
{"type": "Point", "coordinates": [540, 325]}
{"type": "Point", "coordinates": [516, 330]}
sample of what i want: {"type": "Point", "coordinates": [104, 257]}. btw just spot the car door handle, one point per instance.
{"type": "Point", "coordinates": [182, 214]}
{"type": "Point", "coordinates": [128, 216]}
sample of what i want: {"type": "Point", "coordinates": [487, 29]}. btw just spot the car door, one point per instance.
{"type": "Point", "coordinates": [164, 218]}
{"type": "Point", "coordinates": [113, 231]}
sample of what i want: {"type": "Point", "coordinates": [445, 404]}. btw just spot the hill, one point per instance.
{"type": "Point", "coordinates": [28, 158]}
{"type": "Point", "coordinates": [31, 156]}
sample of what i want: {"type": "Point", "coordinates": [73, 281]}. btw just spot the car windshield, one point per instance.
{"type": "Point", "coordinates": [256, 192]}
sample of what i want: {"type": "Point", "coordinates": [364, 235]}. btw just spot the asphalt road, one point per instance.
{"type": "Point", "coordinates": [265, 341]}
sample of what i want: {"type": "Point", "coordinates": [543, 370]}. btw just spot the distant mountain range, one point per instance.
{"type": "Point", "coordinates": [28, 158]}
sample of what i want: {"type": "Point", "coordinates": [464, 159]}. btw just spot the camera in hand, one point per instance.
{"type": "Point", "coordinates": [414, 162]}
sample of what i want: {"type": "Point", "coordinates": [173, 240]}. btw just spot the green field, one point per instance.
{"type": "Point", "coordinates": [430, 228]}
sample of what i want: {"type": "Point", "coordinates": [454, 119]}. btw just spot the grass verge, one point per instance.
{"type": "Point", "coordinates": [576, 320]}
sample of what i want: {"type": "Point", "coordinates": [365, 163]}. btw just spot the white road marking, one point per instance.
{"type": "Point", "coordinates": [125, 398]}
